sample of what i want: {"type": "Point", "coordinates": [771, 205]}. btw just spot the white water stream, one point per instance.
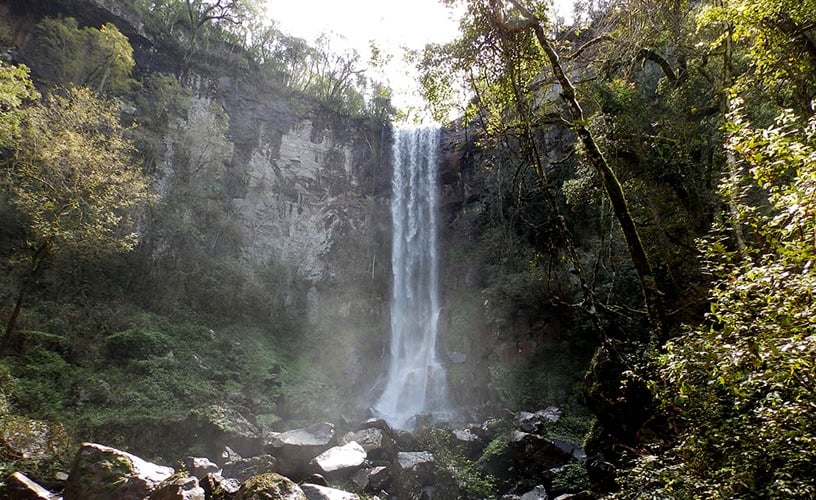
{"type": "Point", "coordinates": [416, 383]}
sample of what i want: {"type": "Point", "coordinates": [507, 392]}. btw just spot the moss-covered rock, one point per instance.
{"type": "Point", "coordinates": [270, 486]}
{"type": "Point", "coordinates": [102, 473]}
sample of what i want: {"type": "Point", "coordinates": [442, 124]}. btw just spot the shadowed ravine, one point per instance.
{"type": "Point", "coordinates": [416, 379]}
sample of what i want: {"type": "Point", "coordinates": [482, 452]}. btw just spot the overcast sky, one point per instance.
{"type": "Point", "coordinates": [391, 23]}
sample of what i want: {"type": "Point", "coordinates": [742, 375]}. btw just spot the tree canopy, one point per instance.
{"type": "Point", "coordinates": [70, 172]}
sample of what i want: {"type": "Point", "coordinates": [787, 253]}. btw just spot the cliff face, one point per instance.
{"type": "Point", "coordinates": [303, 179]}
{"type": "Point", "coordinates": [310, 189]}
{"type": "Point", "coordinates": [300, 186]}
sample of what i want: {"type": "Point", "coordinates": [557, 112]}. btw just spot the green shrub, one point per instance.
{"type": "Point", "coordinates": [135, 344]}
{"type": "Point", "coordinates": [572, 479]}
{"type": "Point", "coordinates": [458, 477]}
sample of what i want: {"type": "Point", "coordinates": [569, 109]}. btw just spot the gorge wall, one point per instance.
{"type": "Point", "coordinates": [274, 179]}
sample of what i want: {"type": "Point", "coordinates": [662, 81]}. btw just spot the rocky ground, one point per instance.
{"type": "Point", "coordinates": [513, 458]}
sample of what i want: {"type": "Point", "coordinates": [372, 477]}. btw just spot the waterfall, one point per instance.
{"type": "Point", "coordinates": [416, 383]}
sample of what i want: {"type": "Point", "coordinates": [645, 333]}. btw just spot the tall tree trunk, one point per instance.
{"type": "Point", "coordinates": [37, 258]}
{"type": "Point", "coordinates": [12, 321]}
{"type": "Point", "coordinates": [652, 296]}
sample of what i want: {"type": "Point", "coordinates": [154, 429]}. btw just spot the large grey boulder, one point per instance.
{"type": "Point", "coordinates": [413, 471]}
{"type": "Point", "coordinates": [537, 493]}
{"type": "Point", "coordinates": [372, 478]}
{"type": "Point", "coordinates": [269, 486]}
{"type": "Point", "coordinates": [296, 448]}
{"type": "Point", "coordinates": [101, 473]}
{"type": "Point", "coordinates": [537, 422]}
{"type": "Point", "coordinates": [317, 492]}
{"type": "Point", "coordinates": [469, 442]}
{"type": "Point", "coordinates": [378, 444]}
{"type": "Point", "coordinates": [315, 435]}
{"type": "Point", "coordinates": [220, 427]}
{"type": "Point", "coordinates": [340, 461]}
{"type": "Point", "coordinates": [199, 467]}
{"type": "Point", "coordinates": [571, 447]}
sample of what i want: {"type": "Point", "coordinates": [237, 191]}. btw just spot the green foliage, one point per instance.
{"type": "Point", "coordinates": [135, 344]}
{"type": "Point", "coordinates": [16, 91]}
{"type": "Point", "coordinates": [457, 476]}
{"type": "Point", "coordinates": [98, 58]}
{"type": "Point", "coordinates": [552, 377]}
{"type": "Point", "coordinates": [170, 371]}
{"type": "Point", "coordinates": [162, 104]}
{"type": "Point", "coordinates": [571, 478]}
{"type": "Point", "coordinates": [501, 429]}
{"type": "Point", "coordinates": [777, 36]}
{"type": "Point", "coordinates": [71, 175]}
{"type": "Point", "coordinates": [741, 388]}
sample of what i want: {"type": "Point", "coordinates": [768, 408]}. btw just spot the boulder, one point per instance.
{"type": "Point", "coordinates": [376, 423]}
{"type": "Point", "coordinates": [178, 487]}
{"type": "Point", "coordinates": [413, 471]}
{"type": "Point", "coordinates": [244, 468]}
{"type": "Point", "coordinates": [526, 457]}
{"type": "Point", "coordinates": [199, 467]}
{"type": "Point", "coordinates": [371, 478]}
{"type": "Point", "coordinates": [570, 447]}
{"type": "Point", "coordinates": [315, 435]}
{"type": "Point", "coordinates": [296, 448]}
{"type": "Point", "coordinates": [317, 492]}
{"type": "Point", "coordinates": [406, 440]}
{"type": "Point", "coordinates": [470, 443]}
{"type": "Point", "coordinates": [221, 427]}
{"type": "Point", "coordinates": [21, 487]}
{"type": "Point", "coordinates": [100, 473]}
{"type": "Point", "coordinates": [376, 442]}
{"type": "Point", "coordinates": [537, 493]}
{"type": "Point", "coordinates": [269, 486]}
{"type": "Point", "coordinates": [228, 455]}
{"type": "Point", "coordinates": [550, 414]}
{"type": "Point", "coordinates": [217, 487]}
{"type": "Point", "coordinates": [340, 461]}
{"type": "Point", "coordinates": [316, 479]}
{"type": "Point", "coordinates": [537, 422]}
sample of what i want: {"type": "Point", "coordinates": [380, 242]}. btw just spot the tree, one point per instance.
{"type": "Point", "coordinates": [740, 389]}
{"type": "Point", "coordinates": [71, 175]}
{"type": "Point", "coordinates": [508, 88]}
{"type": "Point", "coordinates": [16, 90]}
{"type": "Point", "coordinates": [101, 59]}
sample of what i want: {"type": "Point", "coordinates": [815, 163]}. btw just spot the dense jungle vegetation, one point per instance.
{"type": "Point", "coordinates": [687, 220]}
{"type": "Point", "coordinates": [649, 167]}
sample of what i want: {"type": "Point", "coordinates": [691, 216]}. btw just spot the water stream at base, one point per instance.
{"type": "Point", "coordinates": [416, 383]}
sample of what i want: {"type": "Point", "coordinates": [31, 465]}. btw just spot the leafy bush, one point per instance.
{"type": "Point", "coordinates": [136, 344]}
{"type": "Point", "coordinates": [741, 389]}
{"type": "Point", "coordinates": [458, 477]}
{"type": "Point", "coordinates": [572, 478]}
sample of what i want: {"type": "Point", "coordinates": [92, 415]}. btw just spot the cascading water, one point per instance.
{"type": "Point", "coordinates": [416, 383]}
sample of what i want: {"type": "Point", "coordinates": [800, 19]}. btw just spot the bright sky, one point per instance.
{"type": "Point", "coordinates": [392, 24]}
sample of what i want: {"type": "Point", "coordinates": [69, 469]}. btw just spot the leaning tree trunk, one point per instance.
{"type": "Point", "coordinates": [651, 293]}
{"type": "Point", "coordinates": [8, 335]}
{"type": "Point", "coordinates": [37, 258]}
